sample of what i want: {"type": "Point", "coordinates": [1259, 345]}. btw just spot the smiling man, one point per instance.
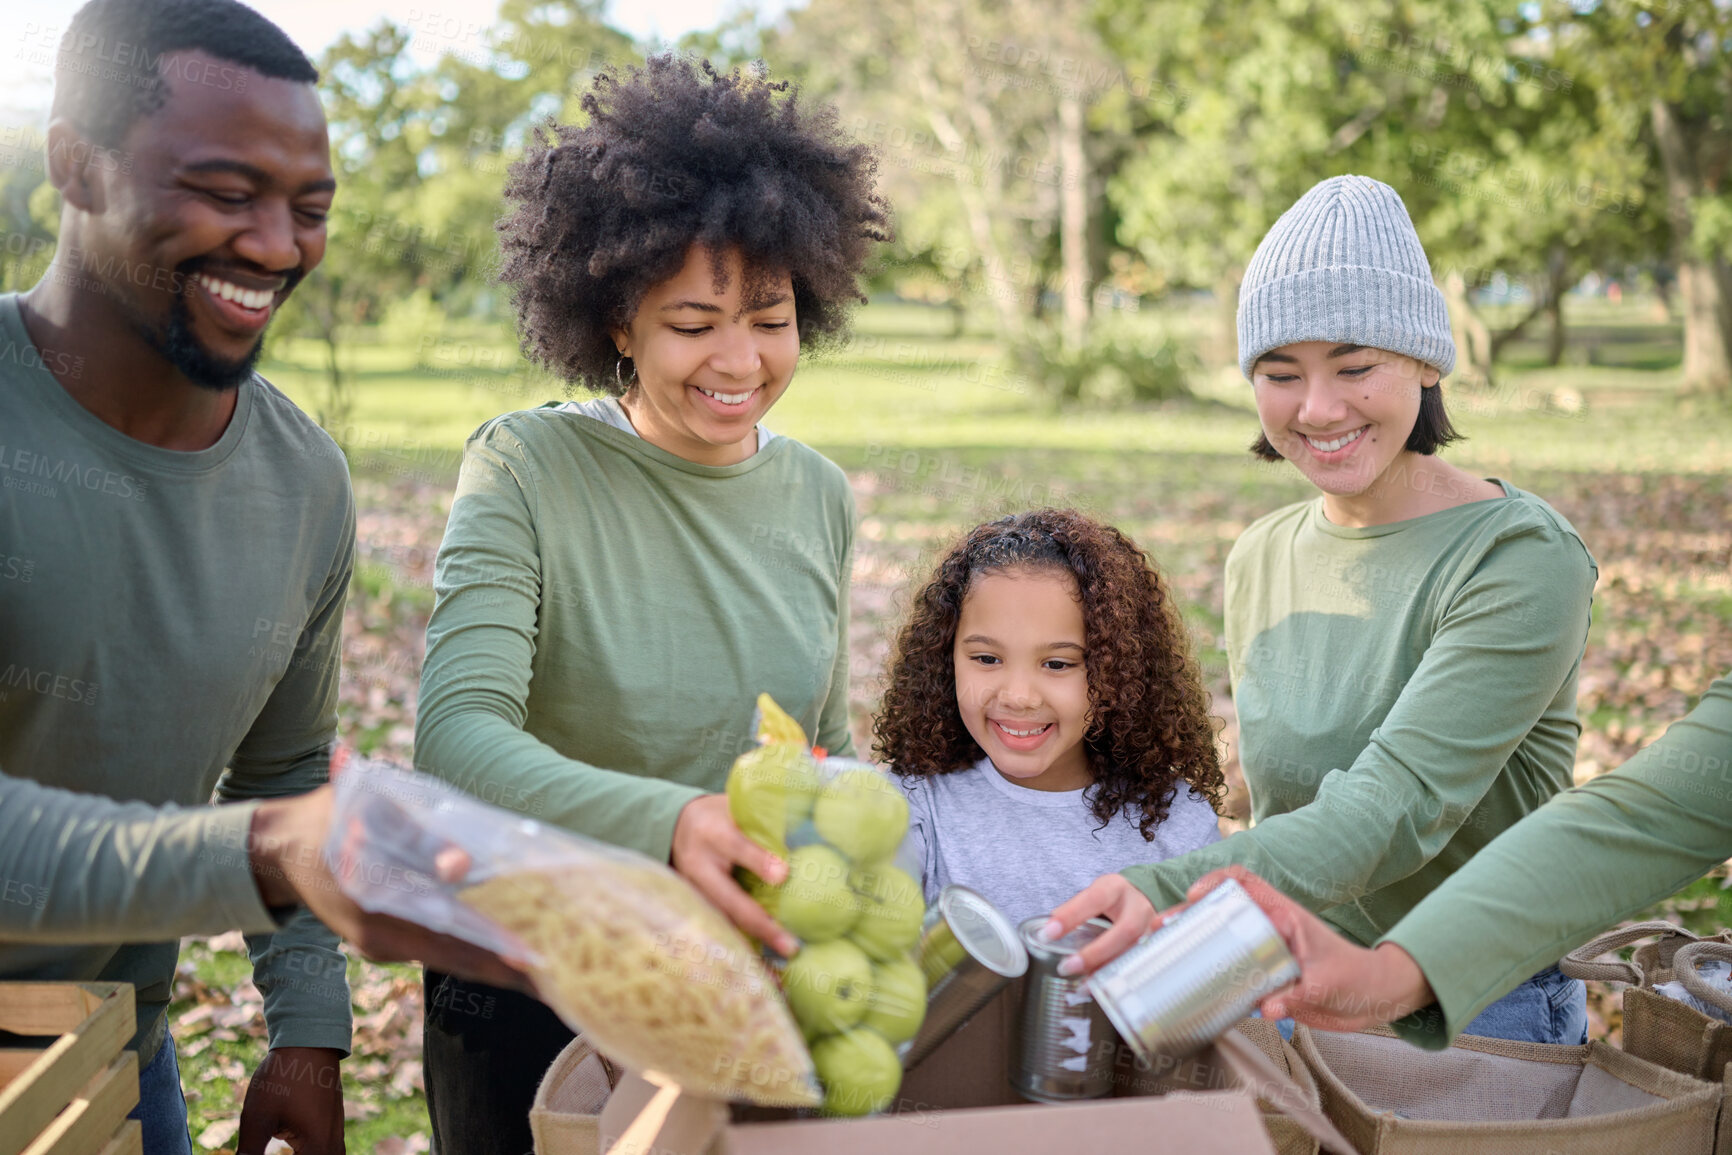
{"type": "Point", "coordinates": [185, 535]}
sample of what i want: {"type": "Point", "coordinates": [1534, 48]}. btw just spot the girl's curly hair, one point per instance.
{"type": "Point", "coordinates": [1149, 728]}
{"type": "Point", "coordinates": [675, 154]}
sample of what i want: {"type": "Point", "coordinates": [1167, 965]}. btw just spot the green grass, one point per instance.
{"type": "Point", "coordinates": [904, 384]}
{"type": "Point", "coordinates": [216, 1063]}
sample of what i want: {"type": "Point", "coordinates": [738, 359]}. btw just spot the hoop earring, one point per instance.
{"type": "Point", "coordinates": [623, 384]}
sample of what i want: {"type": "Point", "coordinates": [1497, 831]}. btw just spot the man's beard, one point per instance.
{"type": "Point", "coordinates": [179, 347]}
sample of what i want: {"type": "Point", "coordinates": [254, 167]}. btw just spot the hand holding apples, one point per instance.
{"type": "Point", "coordinates": [854, 985]}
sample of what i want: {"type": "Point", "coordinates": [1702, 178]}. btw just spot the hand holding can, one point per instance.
{"type": "Point", "coordinates": [1203, 970]}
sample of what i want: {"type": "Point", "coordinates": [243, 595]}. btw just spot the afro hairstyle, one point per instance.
{"type": "Point", "coordinates": [675, 154]}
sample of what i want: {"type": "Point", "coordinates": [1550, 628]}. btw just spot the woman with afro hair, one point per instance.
{"type": "Point", "coordinates": [621, 577]}
{"type": "Point", "coordinates": [1045, 715]}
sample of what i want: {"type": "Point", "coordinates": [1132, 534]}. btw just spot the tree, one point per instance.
{"type": "Point", "coordinates": [531, 66]}
{"type": "Point", "coordinates": [376, 102]}
{"type": "Point", "coordinates": [29, 217]}
{"type": "Point", "coordinates": [421, 156]}
{"type": "Point", "coordinates": [979, 112]}
{"type": "Point", "coordinates": [1446, 100]}
{"type": "Point", "coordinates": [1670, 65]}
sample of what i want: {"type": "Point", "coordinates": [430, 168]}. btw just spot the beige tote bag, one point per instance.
{"type": "Point", "coordinates": [1496, 1097]}
{"type": "Point", "coordinates": [566, 1116]}
{"type": "Point", "coordinates": [1656, 1028]}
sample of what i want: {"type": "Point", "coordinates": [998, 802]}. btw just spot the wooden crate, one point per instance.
{"type": "Point", "coordinates": [71, 1099]}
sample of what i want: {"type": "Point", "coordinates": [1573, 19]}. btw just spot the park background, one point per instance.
{"type": "Point", "coordinates": [1078, 185]}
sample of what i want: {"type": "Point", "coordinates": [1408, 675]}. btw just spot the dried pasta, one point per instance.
{"type": "Point", "coordinates": [655, 977]}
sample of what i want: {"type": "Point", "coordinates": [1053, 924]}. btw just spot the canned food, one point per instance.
{"type": "Point", "coordinates": [968, 952]}
{"type": "Point", "coordinates": [1066, 1045]}
{"type": "Point", "coordinates": [1172, 993]}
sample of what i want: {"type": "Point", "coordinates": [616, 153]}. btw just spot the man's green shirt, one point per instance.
{"type": "Point", "coordinates": [169, 627]}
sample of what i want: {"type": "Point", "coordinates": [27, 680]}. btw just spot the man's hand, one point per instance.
{"type": "Point", "coordinates": [1342, 986]}
{"type": "Point", "coordinates": [1111, 896]}
{"type": "Point", "coordinates": [295, 1095]}
{"type": "Point", "coordinates": [286, 848]}
{"type": "Point", "coordinates": [707, 846]}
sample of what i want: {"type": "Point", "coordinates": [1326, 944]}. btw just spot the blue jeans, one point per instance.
{"type": "Point", "coordinates": [161, 1107]}
{"type": "Point", "coordinates": [1547, 1008]}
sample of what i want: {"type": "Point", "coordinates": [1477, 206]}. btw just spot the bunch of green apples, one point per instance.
{"type": "Point", "coordinates": [853, 986]}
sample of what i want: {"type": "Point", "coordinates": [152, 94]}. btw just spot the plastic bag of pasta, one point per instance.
{"type": "Point", "coordinates": [621, 947]}
{"type": "Point", "coordinates": [851, 896]}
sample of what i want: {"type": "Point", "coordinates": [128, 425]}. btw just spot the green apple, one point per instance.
{"type": "Point", "coordinates": [943, 955]}
{"type": "Point", "coordinates": [816, 903]}
{"type": "Point", "coordinates": [862, 813]}
{"type": "Point", "coordinates": [829, 986]}
{"type": "Point", "coordinates": [861, 1072]}
{"type": "Point", "coordinates": [890, 911]}
{"type": "Point", "coordinates": [898, 1001]}
{"type": "Point", "coordinates": [813, 1033]}
{"type": "Point", "coordinates": [771, 790]}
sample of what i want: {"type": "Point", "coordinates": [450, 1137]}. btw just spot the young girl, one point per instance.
{"type": "Point", "coordinates": [1045, 715]}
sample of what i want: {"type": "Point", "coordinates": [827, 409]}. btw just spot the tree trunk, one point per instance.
{"type": "Point", "coordinates": [338, 407]}
{"type": "Point", "coordinates": [335, 413]}
{"type": "Point", "coordinates": [978, 206]}
{"type": "Point", "coordinates": [1557, 278]}
{"type": "Point", "coordinates": [1503, 336]}
{"type": "Point", "coordinates": [1227, 315]}
{"type": "Point", "coordinates": [1473, 341]}
{"type": "Point", "coordinates": [1555, 334]}
{"type": "Point", "coordinates": [1704, 287]}
{"type": "Point", "coordinates": [1073, 219]}
{"type": "Point", "coordinates": [1707, 346]}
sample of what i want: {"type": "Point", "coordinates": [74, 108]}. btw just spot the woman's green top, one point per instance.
{"type": "Point", "coordinates": [1405, 692]}
{"type": "Point", "coordinates": [608, 613]}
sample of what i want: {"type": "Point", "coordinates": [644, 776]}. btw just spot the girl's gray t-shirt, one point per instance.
{"type": "Point", "coordinates": [1026, 850]}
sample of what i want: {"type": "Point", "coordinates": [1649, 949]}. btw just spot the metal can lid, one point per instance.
{"type": "Point", "coordinates": [983, 931]}
{"type": "Point", "coordinates": [1029, 932]}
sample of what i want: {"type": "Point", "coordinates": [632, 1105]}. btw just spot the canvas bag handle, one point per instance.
{"type": "Point", "coordinates": [1580, 963]}
{"type": "Point", "coordinates": [1684, 968]}
{"type": "Point", "coordinates": [1254, 1069]}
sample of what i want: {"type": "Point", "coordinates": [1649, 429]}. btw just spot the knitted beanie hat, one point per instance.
{"type": "Point", "coordinates": [1345, 265]}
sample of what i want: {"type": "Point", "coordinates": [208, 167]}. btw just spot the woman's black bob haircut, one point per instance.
{"type": "Point", "coordinates": [675, 154]}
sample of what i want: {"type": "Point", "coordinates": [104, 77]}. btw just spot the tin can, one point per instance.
{"type": "Point", "coordinates": [968, 952]}
{"type": "Point", "coordinates": [1066, 1045]}
{"type": "Point", "coordinates": [1172, 993]}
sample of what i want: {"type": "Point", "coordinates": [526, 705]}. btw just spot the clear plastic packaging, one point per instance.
{"type": "Point", "coordinates": [1716, 973]}
{"type": "Point", "coordinates": [852, 897]}
{"type": "Point", "coordinates": [621, 947]}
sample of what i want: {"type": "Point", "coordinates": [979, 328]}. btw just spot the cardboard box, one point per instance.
{"type": "Point", "coordinates": [959, 1099]}
{"type": "Point", "coordinates": [972, 1069]}
{"type": "Point", "coordinates": [642, 1117]}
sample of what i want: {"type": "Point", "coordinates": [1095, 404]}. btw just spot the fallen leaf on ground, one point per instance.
{"type": "Point", "coordinates": [218, 1133]}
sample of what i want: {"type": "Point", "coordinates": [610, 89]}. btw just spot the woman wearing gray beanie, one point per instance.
{"type": "Point", "coordinates": [1404, 646]}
